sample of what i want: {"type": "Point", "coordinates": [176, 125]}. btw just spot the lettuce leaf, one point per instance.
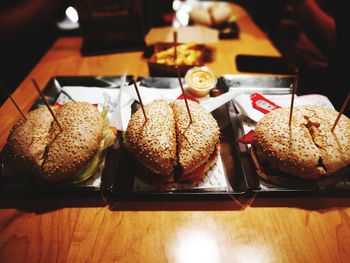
{"type": "Point", "coordinates": [108, 140]}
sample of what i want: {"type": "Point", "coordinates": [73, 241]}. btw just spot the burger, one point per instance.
{"type": "Point", "coordinates": [170, 148]}
{"type": "Point", "coordinates": [153, 142]}
{"type": "Point", "coordinates": [37, 146]}
{"type": "Point", "coordinates": [305, 151]}
{"type": "Point", "coordinates": [197, 142]}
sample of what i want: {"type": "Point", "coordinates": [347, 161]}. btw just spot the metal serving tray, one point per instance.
{"type": "Point", "coordinates": [125, 185]}
{"type": "Point", "coordinates": [277, 85]}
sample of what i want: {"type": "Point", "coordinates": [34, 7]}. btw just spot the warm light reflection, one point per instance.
{"type": "Point", "coordinates": [183, 18]}
{"type": "Point", "coordinates": [72, 14]}
{"type": "Point", "coordinates": [196, 246]}
{"type": "Point", "coordinates": [202, 245]}
{"type": "Point", "coordinates": [182, 11]}
{"type": "Point", "coordinates": [176, 5]}
{"type": "Point", "coordinates": [250, 254]}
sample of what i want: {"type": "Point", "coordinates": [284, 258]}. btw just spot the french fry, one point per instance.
{"type": "Point", "coordinates": [187, 54]}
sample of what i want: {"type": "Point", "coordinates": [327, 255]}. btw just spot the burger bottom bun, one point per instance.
{"type": "Point", "coordinates": [148, 176]}
{"type": "Point", "coordinates": [198, 174]}
{"type": "Point", "coordinates": [292, 182]}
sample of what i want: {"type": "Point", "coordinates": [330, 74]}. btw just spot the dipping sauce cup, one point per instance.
{"type": "Point", "coordinates": [200, 81]}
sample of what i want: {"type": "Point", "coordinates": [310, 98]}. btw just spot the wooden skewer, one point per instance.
{"type": "Point", "coordinates": [46, 103]}
{"type": "Point", "coordinates": [175, 46]}
{"type": "Point", "coordinates": [211, 16]}
{"type": "Point", "coordinates": [183, 93]}
{"type": "Point", "coordinates": [140, 100]}
{"type": "Point", "coordinates": [343, 107]}
{"type": "Point", "coordinates": [295, 85]}
{"type": "Point", "coordinates": [13, 101]}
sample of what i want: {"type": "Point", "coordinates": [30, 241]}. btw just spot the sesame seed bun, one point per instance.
{"type": "Point", "coordinates": [196, 141]}
{"type": "Point", "coordinates": [37, 145]}
{"type": "Point", "coordinates": [167, 146]}
{"type": "Point", "coordinates": [153, 142]}
{"type": "Point", "coordinates": [308, 149]}
{"type": "Point", "coordinates": [69, 151]}
{"type": "Point", "coordinates": [27, 141]}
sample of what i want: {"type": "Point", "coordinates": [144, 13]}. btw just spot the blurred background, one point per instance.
{"type": "Point", "coordinates": [28, 28]}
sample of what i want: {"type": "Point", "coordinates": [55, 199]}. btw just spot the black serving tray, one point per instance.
{"type": "Point", "coordinates": [120, 185]}
{"type": "Point", "coordinates": [255, 184]}
{"type": "Point", "coordinates": [28, 186]}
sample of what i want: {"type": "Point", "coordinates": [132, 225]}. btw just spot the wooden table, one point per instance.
{"type": "Point", "coordinates": [242, 230]}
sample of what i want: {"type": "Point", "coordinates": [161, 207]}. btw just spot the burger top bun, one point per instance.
{"type": "Point", "coordinates": [71, 149]}
{"type": "Point", "coordinates": [196, 142]}
{"type": "Point", "coordinates": [308, 149]}
{"type": "Point", "coordinates": [37, 144]}
{"type": "Point", "coordinates": [27, 141]}
{"type": "Point", "coordinates": [153, 142]}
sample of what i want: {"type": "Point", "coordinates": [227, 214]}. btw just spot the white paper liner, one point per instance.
{"type": "Point", "coordinates": [244, 105]}
{"type": "Point", "coordinates": [118, 103]}
{"type": "Point", "coordinates": [282, 100]}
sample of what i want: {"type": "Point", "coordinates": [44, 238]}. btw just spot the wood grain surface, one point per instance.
{"type": "Point", "coordinates": [256, 229]}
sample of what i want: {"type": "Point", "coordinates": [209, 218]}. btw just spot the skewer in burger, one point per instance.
{"type": "Point", "coordinates": [307, 151]}
{"type": "Point", "coordinates": [168, 147]}
{"type": "Point", "coordinates": [37, 146]}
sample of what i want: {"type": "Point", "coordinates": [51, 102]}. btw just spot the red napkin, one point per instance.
{"type": "Point", "coordinates": [248, 138]}
{"type": "Point", "coordinates": [182, 96]}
